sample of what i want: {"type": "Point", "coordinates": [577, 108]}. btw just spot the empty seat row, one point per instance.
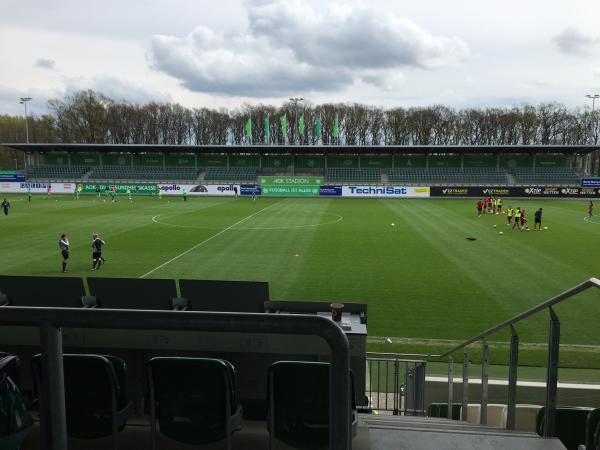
{"type": "Point", "coordinates": [57, 172]}
{"type": "Point", "coordinates": [134, 293]}
{"type": "Point", "coordinates": [448, 175]}
{"type": "Point", "coordinates": [548, 175]}
{"type": "Point", "coordinates": [354, 174]}
{"type": "Point", "coordinates": [144, 173]}
{"type": "Point", "coordinates": [231, 174]}
{"type": "Point", "coordinates": [194, 400]}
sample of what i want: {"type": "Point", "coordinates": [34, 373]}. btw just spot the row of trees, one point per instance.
{"type": "Point", "coordinates": [90, 117]}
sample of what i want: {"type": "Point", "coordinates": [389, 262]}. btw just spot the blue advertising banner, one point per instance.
{"type": "Point", "coordinates": [12, 177]}
{"type": "Point", "coordinates": [330, 191]}
{"type": "Point", "coordinates": [590, 182]}
{"type": "Point", "coordinates": [250, 189]}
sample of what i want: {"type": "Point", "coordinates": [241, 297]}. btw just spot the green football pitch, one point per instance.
{"type": "Point", "coordinates": [422, 279]}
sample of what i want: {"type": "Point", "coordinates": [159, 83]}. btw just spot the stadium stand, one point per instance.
{"type": "Point", "coordinates": [194, 400]}
{"type": "Point", "coordinates": [231, 174]}
{"type": "Point", "coordinates": [547, 175]}
{"type": "Point", "coordinates": [96, 398]}
{"type": "Point", "coordinates": [144, 173]}
{"type": "Point", "coordinates": [354, 175]}
{"type": "Point", "coordinates": [571, 425]}
{"type": "Point", "coordinates": [444, 175]}
{"type": "Point", "coordinates": [57, 172]}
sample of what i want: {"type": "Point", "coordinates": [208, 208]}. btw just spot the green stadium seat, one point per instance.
{"type": "Point", "coordinates": [95, 394]}
{"type": "Point", "coordinates": [571, 423]}
{"type": "Point", "coordinates": [193, 400]}
{"type": "Point", "coordinates": [57, 172]}
{"type": "Point", "coordinates": [231, 174]}
{"type": "Point", "coordinates": [299, 410]}
{"type": "Point", "coordinates": [441, 410]}
{"type": "Point", "coordinates": [592, 429]}
{"type": "Point", "coordinates": [144, 173]}
{"type": "Point", "coordinates": [361, 175]}
{"type": "Point", "coordinates": [546, 175]}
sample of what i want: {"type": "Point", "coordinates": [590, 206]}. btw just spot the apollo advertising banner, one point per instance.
{"type": "Point", "coordinates": [200, 189]}
{"type": "Point", "coordinates": [385, 191]}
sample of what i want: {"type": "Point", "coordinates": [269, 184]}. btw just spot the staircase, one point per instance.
{"type": "Point", "coordinates": [424, 433]}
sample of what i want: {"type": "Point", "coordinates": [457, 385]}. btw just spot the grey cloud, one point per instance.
{"type": "Point", "coordinates": [45, 63]}
{"type": "Point", "coordinates": [115, 89]}
{"type": "Point", "coordinates": [290, 47]}
{"type": "Point", "coordinates": [575, 42]}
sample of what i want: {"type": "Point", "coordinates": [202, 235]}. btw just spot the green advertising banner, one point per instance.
{"type": "Point", "coordinates": [120, 188]}
{"type": "Point", "coordinates": [284, 190]}
{"type": "Point", "coordinates": [290, 181]}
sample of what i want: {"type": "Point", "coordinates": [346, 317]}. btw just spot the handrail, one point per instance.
{"type": "Point", "coordinates": [51, 320]}
{"type": "Point", "coordinates": [549, 425]}
{"type": "Point", "coordinates": [592, 282]}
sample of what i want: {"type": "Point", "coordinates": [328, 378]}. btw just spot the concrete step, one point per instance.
{"type": "Point", "coordinates": [423, 433]}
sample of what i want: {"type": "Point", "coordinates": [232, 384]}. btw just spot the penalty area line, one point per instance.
{"type": "Point", "coordinates": [200, 244]}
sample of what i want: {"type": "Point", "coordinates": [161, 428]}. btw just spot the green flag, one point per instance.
{"type": "Point", "coordinates": [301, 125]}
{"type": "Point", "coordinates": [318, 128]}
{"type": "Point", "coordinates": [336, 127]}
{"type": "Point", "coordinates": [266, 128]}
{"type": "Point", "coordinates": [283, 121]}
{"type": "Point", "coordinates": [248, 127]}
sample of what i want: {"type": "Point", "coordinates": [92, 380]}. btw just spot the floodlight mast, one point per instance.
{"type": "Point", "coordinates": [23, 101]}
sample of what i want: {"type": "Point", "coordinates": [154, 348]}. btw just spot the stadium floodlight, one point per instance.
{"type": "Point", "coordinates": [593, 97]}
{"type": "Point", "coordinates": [23, 101]}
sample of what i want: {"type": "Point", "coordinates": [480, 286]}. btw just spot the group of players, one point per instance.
{"type": "Point", "coordinates": [515, 216]}
{"type": "Point", "coordinates": [97, 244]}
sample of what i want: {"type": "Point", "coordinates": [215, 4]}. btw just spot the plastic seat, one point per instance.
{"type": "Point", "coordinates": [95, 394]}
{"type": "Point", "coordinates": [193, 400]}
{"type": "Point", "coordinates": [441, 410]}
{"type": "Point", "coordinates": [571, 425]}
{"type": "Point", "coordinates": [298, 398]}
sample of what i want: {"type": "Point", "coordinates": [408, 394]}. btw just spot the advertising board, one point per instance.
{"type": "Point", "coordinates": [385, 191]}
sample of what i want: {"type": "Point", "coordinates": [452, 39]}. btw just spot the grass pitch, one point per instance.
{"type": "Point", "coordinates": [421, 278]}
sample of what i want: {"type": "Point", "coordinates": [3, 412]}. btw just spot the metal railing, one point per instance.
{"type": "Point", "coordinates": [549, 426]}
{"type": "Point", "coordinates": [51, 320]}
{"type": "Point", "coordinates": [396, 383]}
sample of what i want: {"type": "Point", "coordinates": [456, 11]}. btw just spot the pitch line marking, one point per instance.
{"type": "Point", "coordinates": [205, 241]}
{"type": "Point", "coordinates": [339, 219]}
{"type": "Point", "coordinates": [589, 220]}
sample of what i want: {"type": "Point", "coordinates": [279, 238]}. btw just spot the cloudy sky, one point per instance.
{"type": "Point", "coordinates": [227, 52]}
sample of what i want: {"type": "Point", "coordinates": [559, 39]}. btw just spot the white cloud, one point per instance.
{"type": "Point", "coordinates": [290, 46]}
{"type": "Point", "coordinates": [575, 42]}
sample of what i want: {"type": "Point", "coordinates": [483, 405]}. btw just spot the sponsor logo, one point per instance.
{"type": "Point", "coordinates": [199, 188]}
{"type": "Point", "coordinates": [534, 191]}
{"type": "Point", "coordinates": [387, 190]}
{"type": "Point", "coordinates": [569, 191]}
{"type": "Point", "coordinates": [587, 191]}
{"type": "Point", "coordinates": [496, 191]}
{"type": "Point", "coordinates": [551, 191]}
{"type": "Point", "coordinates": [422, 190]}
{"type": "Point", "coordinates": [35, 185]}
{"type": "Point", "coordinates": [172, 187]}
{"type": "Point", "coordinates": [225, 188]}
{"type": "Point", "coordinates": [455, 191]}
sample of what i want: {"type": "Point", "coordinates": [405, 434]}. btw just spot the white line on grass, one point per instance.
{"type": "Point", "coordinates": [589, 220]}
{"type": "Point", "coordinates": [205, 241]}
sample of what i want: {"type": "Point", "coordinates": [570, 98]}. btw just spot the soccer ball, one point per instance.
{"type": "Point", "coordinates": [500, 232]}
{"type": "Point", "coordinates": [393, 224]}
{"type": "Point", "coordinates": [527, 229]}
{"type": "Point", "coordinates": [545, 228]}
{"type": "Point", "coordinates": [103, 201]}
{"type": "Point", "coordinates": [494, 226]}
